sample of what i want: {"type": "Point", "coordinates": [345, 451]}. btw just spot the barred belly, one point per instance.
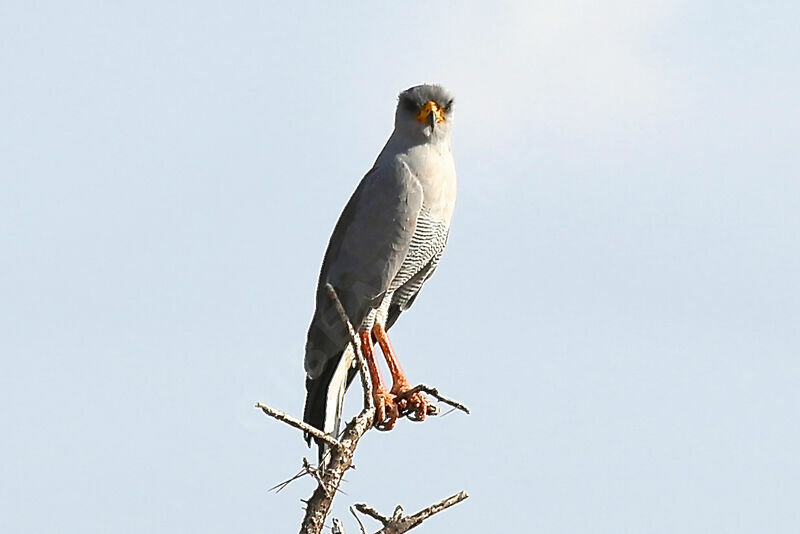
{"type": "Point", "coordinates": [424, 252]}
{"type": "Point", "coordinates": [427, 245]}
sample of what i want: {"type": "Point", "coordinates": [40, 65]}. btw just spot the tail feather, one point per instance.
{"type": "Point", "coordinates": [325, 397]}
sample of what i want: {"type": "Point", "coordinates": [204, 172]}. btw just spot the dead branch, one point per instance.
{"type": "Point", "coordinates": [373, 513]}
{"type": "Point", "coordinates": [341, 458]}
{"type": "Point", "coordinates": [398, 523]}
{"type": "Point", "coordinates": [305, 427]}
{"type": "Point", "coordinates": [341, 452]}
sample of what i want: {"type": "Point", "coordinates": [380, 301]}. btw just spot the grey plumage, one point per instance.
{"type": "Point", "coordinates": [386, 243]}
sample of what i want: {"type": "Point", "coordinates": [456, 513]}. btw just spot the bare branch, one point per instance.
{"type": "Point", "coordinates": [305, 427]}
{"type": "Point", "coordinates": [399, 524]}
{"type": "Point", "coordinates": [414, 520]}
{"type": "Point", "coordinates": [339, 457]}
{"type": "Point", "coordinates": [372, 512]}
{"type": "Point", "coordinates": [435, 393]}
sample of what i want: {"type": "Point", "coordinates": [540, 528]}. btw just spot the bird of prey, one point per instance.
{"type": "Point", "coordinates": [386, 244]}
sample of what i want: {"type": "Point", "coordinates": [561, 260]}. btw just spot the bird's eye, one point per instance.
{"type": "Point", "coordinates": [448, 105]}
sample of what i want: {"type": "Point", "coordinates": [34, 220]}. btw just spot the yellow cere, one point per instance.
{"type": "Point", "coordinates": [427, 109]}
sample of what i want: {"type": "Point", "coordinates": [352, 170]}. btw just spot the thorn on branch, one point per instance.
{"type": "Point", "coordinates": [314, 472]}
{"type": "Point", "coordinates": [280, 486]}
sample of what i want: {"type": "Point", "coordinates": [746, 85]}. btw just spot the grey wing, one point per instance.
{"type": "Point", "coordinates": [365, 253]}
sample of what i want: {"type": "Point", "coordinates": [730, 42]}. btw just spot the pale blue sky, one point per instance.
{"type": "Point", "coordinates": [618, 303]}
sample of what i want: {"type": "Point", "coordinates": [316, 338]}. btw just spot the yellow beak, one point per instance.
{"type": "Point", "coordinates": [430, 107]}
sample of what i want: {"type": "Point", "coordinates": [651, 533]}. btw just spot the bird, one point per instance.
{"type": "Point", "coordinates": [387, 242]}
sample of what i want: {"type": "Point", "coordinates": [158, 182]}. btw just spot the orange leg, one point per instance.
{"type": "Point", "coordinates": [400, 384]}
{"type": "Point", "coordinates": [384, 403]}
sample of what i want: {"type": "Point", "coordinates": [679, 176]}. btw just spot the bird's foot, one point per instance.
{"type": "Point", "coordinates": [386, 412]}
{"type": "Point", "coordinates": [402, 401]}
{"type": "Point", "coordinates": [411, 403]}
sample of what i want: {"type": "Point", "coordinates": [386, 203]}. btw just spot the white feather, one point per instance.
{"type": "Point", "coordinates": [336, 390]}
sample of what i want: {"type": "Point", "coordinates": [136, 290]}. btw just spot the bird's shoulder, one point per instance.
{"type": "Point", "coordinates": [390, 178]}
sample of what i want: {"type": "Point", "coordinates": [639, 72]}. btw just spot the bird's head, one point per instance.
{"type": "Point", "coordinates": [425, 110]}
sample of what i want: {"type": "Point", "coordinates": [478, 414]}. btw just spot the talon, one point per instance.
{"type": "Point", "coordinates": [414, 406]}
{"type": "Point", "coordinates": [386, 413]}
{"type": "Point", "coordinates": [387, 425]}
{"type": "Point", "coordinates": [420, 404]}
{"type": "Point", "coordinates": [380, 408]}
{"type": "Point", "coordinates": [402, 405]}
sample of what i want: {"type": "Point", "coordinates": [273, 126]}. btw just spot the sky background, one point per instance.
{"type": "Point", "coordinates": [618, 304]}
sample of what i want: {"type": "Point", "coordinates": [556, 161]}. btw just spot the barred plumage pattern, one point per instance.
{"type": "Point", "coordinates": [424, 252]}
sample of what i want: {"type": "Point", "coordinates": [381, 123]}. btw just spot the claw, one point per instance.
{"type": "Point", "coordinates": [414, 405]}
{"type": "Point", "coordinates": [386, 412]}
{"type": "Point", "coordinates": [380, 408]}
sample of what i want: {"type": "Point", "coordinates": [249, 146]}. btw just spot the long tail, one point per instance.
{"type": "Point", "coordinates": [325, 397]}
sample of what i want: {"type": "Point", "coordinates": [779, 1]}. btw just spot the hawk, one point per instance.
{"type": "Point", "coordinates": [385, 245]}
